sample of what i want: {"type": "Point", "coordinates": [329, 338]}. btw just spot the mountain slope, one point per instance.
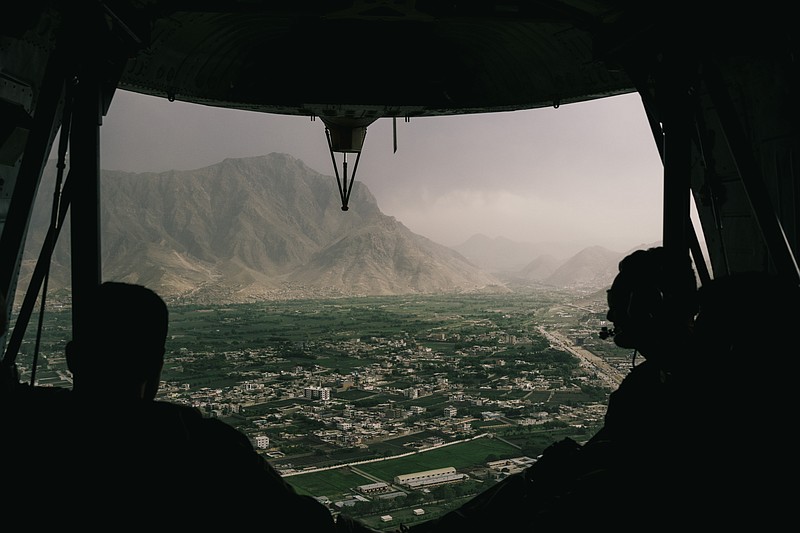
{"type": "Point", "coordinates": [385, 258]}
{"type": "Point", "coordinates": [540, 268]}
{"type": "Point", "coordinates": [256, 228]}
{"type": "Point", "coordinates": [500, 254]}
{"type": "Point", "coordinates": [591, 267]}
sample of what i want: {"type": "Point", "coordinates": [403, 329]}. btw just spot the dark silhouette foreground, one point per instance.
{"type": "Point", "coordinates": [107, 455]}
{"type": "Point", "coordinates": [695, 436]}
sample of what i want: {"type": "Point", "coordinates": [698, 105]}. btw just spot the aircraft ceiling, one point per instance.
{"type": "Point", "coordinates": [368, 59]}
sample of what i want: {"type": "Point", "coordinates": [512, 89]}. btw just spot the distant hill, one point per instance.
{"type": "Point", "coordinates": [564, 265]}
{"type": "Point", "coordinates": [540, 268]}
{"type": "Point", "coordinates": [500, 254]}
{"type": "Point", "coordinates": [251, 229]}
{"type": "Point", "coordinates": [590, 268]}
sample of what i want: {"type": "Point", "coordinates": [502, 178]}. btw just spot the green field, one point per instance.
{"type": "Point", "coordinates": [462, 456]}
{"type": "Point", "coordinates": [330, 483]}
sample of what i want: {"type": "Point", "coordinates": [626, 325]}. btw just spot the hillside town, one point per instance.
{"type": "Point", "coordinates": [404, 388]}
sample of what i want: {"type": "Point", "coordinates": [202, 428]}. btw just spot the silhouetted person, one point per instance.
{"type": "Point", "coordinates": [117, 458]}
{"type": "Point", "coordinates": [623, 477]}
{"type": "Point", "coordinates": [652, 308]}
{"type": "Point", "coordinates": [121, 358]}
{"type": "Point", "coordinates": [630, 474]}
{"type": "Point", "coordinates": [695, 435]}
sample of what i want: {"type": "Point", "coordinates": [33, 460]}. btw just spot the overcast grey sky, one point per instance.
{"type": "Point", "coordinates": [585, 173]}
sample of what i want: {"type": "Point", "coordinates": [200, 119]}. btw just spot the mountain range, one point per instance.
{"type": "Point", "coordinates": [252, 229]}
{"type": "Point", "coordinates": [500, 254]}
{"type": "Point", "coordinates": [269, 227]}
{"type": "Point", "coordinates": [546, 263]}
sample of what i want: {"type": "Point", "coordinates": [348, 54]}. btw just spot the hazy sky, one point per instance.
{"type": "Point", "coordinates": [586, 173]}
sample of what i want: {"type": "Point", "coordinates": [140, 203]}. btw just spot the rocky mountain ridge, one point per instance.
{"type": "Point", "coordinates": [251, 229]}
{"type": "Point", "coordinates": [269, 227]}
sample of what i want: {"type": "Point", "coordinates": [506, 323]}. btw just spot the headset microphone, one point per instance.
{"type": "Point", "coordinates": [605, 333]}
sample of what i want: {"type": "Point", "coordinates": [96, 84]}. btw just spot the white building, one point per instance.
{"type": "Point", "coordinates": [317, 393]}
{"type": "Point", "coordinates": [429, 478]}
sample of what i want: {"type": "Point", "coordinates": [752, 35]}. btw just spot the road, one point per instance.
{"type": "Point", "coordinates": [605, 371]}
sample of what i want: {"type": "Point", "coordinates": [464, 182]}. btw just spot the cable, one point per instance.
{"type": "Point", "coordinates": [50, 239]}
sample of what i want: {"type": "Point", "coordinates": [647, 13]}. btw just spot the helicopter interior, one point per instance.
{"type": "Point", "coordinates": [719, 86]}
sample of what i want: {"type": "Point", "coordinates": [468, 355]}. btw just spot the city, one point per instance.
{"type": "Point", "coordinates": [321, 384]}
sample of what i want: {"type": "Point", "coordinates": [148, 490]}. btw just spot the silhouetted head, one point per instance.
{"type": "Point", "coordinates": [649, 301]}
{"type": "Point", "coordinates": [123, 350]}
